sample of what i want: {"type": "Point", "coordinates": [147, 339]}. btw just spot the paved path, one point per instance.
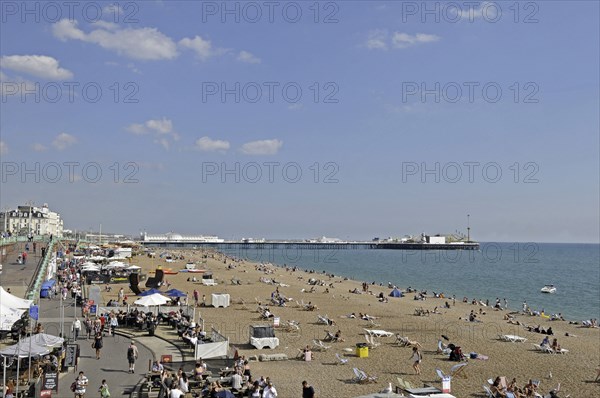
{"type": "Point", "coordinates": [112, 364]}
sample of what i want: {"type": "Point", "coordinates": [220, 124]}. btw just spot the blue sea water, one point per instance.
{"type": "Point", "coordinates": [515, 271]}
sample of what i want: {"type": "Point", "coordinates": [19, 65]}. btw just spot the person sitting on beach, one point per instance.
{"type": "Point", "coordinates": [447, 305]}
{"type": "Point", "coordinates": [545, 342]}
{"type": "Point", "coordinates": [514, 388]}
{"type": "Point", "coordinates": [555, 346]}
{"type": "Point", "coordinates": [497, 390]}
{"type": "Point", "coordinates": [338, 337]}
{"type": "Point", "coordinates": [549, 331]}
{"type": "Point", "coordinates": [530, 389]}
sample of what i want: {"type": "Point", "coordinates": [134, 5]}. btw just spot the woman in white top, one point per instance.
{"type": "Point", "coordinates": [416, 358]}
{"type": "Point", "coordinates": [183, 383]}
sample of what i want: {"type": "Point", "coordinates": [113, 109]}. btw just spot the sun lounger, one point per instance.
{"type": "Point", "coordinates": [512, 338]}
{"type": "Point", "coordinates": [371, 342]}
{"type": "Point", "coordinates": [488, 392]}
{"type": "Point", "coordinates": [378, 333]}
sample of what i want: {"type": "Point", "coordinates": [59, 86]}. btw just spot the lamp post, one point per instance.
{"type": "Point", "coordinates": [468, 228]}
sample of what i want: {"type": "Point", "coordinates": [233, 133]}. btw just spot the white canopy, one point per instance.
{"type": "Point", "coordinates": [133, 267]}
{"type": "Point", "coordinates": [116, 264]}
{"type": "Point", "coordinates": [152, 300]}
{"type": "Point", "coordinates": [12, 301]}
{"type": "Point", "coordinates": [9, 316]}
{"type": "Point", "coordinates": [41, 344]}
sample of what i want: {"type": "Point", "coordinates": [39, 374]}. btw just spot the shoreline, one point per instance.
{"type": "Point", "coordinates": [388, 361]}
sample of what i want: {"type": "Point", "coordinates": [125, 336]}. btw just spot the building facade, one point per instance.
{"type": "Point", "coordinates": [30, 219]}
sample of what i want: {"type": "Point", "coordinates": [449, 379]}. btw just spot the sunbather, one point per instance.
{"type": "Point", "coordinates": [497, 390]}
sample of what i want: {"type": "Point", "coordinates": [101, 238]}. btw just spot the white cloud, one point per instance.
{"type": "Point", "coordinates": [249, 58]}
{"type": "Point", "coordinates": [63, 141]}
{"type": "Point", "coordinates": [37, 147]}
{"type": "Point", "coordinates": [262, 147]}
{"type": "Point", "coordinates": [377, 40]}
{"type": "Point", "coordinates": [380, 40]}
{"type": "Point", "coordinates": [160, 129]}
{"type": "Point", "coordinates": [36, 65]}
{"type": "Point", "coordinates": [405, 40]}
{"type": "Point", "coordinates": [203, 48]}
{"type": "Point", "coordinates": [206, 144]}
{"type": "Point", "coordinates": [112, 9]}
{"type": "Point", "coordinates": [3, 148]}
{"type": "Point", "coordinates": [137, 129]}
{"type": "Point", "coordinates": [161, 126]}
{"type": "Point", "coordinates": [142, 43]}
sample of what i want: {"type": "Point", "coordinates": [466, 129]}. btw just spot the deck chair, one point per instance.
{"type": "Point", "coordinates": [340, 360]}
{"type": "Point", "coordinates": [318, 345]}
{"type": "Point", "coordinates": [373, 324]}
{"type": "Point", "coordinates": [441, 349]}
{"type": "Point", "coordinates": [358, 376]}
{"type": "Point", "coordinates": [459, 370]}
{"type": "Point", "coordinates": [488, 392]}
{"type": "Point", "coordinates": [401, 341]}
{"type": "Point", "coordinates": [300, 354]}
{"type": "Point", "coordinates": [371, 342]}
{"type": "Point", "coordinates": [323, 319]}
{"type": "Point", "coordinates": [440, 374]}
{"type": "Point", "coordinates": [243, 303]}
{"type": "Point", "coordinates": [405, 385]}
{"type": "Point", "coordinates": [329, 336]}
{"type": "Point", "coordinates": [367, 378]}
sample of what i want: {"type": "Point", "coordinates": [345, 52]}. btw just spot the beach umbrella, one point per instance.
{"type": "Point", "coordinates": [131, 267]}
{"type": "Point", "coordinates": [150, 292]}
{"type": "Point", "coordinates": [152, 300]}
{"type": "Point", "coordinates": [175, 293]}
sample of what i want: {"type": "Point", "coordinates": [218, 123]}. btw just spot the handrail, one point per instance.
{"type": "Point", "coordinates": [34, 287]}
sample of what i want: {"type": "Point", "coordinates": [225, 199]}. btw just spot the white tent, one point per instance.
{"type": "Point", "coordinates": [116, 264]}
{"type": "Point", "coordinates": [9, 316]}
{"type": "Point", "coordinates": [133, 267]}
{"type": "Point", "coordinates": [12, 301]}
{"type": "Point", "coordinates": [152, 300]}
{"type": "Point", "coordinates": [35, 345]}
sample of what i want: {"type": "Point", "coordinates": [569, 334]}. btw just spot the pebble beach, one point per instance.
{"type": "Point", "coordinates": [575, 370]}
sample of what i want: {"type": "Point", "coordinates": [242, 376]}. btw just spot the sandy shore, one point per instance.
{"type": "Point", "coordinates": [575, 370]}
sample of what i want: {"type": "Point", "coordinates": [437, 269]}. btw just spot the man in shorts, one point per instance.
{"type": "Point", "coordinates": [132, 354]}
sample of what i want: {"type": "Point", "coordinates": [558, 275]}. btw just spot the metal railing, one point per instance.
{"type": "Point", "coordinates": [33, 290]}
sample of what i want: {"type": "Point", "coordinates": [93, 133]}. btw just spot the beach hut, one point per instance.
{"type": "Point", "coordinates": [396, 293]}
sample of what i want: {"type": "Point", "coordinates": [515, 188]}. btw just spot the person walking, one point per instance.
{"type": "Point", "coordinates": [103, 390]}
{"type": "Point", "coordinates": [113, 324]}
{"type": "Point", "coordinates": [76, 328]}
{"type": "Point", "coordinates": [80, 385]}
{"type": "Point", "coordinates": [196, 297]}
{"type": "Point", "coordinates": [307, 390]}
{"type": "Point", "coordinates": [417, 358]}
{"type": "Point", "coordinates": [269, 391]}
{"type": "Point", "coordinates": [98, 344]}
{"type": "Point", "coordinates": [132, 354]}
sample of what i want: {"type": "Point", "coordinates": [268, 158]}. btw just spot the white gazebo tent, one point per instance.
{"type": "Point", "coordinates": [8, 316]}
{"type": "Point", "coordinates": [32, 346]}
{"type": "Point", "coordinates": [12, 301]}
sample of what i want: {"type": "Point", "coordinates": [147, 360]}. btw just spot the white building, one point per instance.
{"type": "Point", "coordinates": [37, 220]}
{"type": "Point", "coordinates": [172, 237]}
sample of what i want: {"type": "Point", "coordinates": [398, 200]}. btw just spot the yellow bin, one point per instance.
{"type": "Point", "coordinates": [362, 352]}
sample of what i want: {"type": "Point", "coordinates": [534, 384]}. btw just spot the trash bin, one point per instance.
{"type": "Point", "coordinates": [362, 350]}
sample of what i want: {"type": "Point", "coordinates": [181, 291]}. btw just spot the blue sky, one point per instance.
{"type": "Point", "coordinates": [387, 93]}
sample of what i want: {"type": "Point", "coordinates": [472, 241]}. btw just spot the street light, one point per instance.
{"type": "Point", "coordinates": [468, 228]}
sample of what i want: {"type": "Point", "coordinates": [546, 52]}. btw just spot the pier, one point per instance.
{"type": "Point", "coordinates": [267, 245]}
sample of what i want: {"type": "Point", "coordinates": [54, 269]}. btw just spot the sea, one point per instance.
{"type": "Point", "coordinates": [512, 271]}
